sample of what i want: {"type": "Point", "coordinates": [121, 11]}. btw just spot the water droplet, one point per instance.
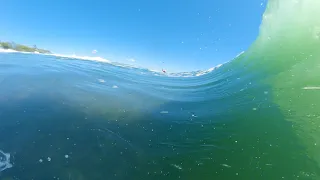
{"type": "Point", "coordinates": [226, 165]}
{"type": "Point", "coordinates": [101, 80]}
{"type": "Point", "coordinates": [4, 161]}
{"type": "Point", "coordinates": [177, 166]}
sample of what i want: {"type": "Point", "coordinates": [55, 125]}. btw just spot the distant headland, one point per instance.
{"type": "Point", "coordinates": [22, 48]}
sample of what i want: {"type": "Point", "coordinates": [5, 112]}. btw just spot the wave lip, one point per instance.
{"type": "Point", "coordinates": [100, 59]}
{"type": "Point", "coordinates": [191, 73]}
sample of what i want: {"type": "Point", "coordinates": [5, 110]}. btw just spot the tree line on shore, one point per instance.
{"type": "Point", "coordinates": [22, 48]}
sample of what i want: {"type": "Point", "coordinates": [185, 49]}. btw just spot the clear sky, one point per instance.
{"type": "Point", "coordinates": [178, 35]}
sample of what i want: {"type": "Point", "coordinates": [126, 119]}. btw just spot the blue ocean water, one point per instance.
{"type": "Point", "coordinates": [255, 117]}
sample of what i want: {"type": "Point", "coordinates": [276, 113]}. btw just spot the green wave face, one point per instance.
{"type": "Point", "coordinates": [254, 118]}
{"type": "Point", "coordinates": [287, 51]}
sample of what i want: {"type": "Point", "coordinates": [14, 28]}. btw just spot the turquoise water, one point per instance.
{"type": "Point", "coordinates": [255, 117]}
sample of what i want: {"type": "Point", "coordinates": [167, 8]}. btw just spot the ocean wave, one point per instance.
{"type": "Point", "coordinates": [122, 65]}
{"type": "Point", "coordinates": [89, 58]}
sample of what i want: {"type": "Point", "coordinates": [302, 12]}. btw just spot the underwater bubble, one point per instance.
{"type": "Point", "coordinates": [316, 32]}
{"type": "Point", "coordinates": [4, 161]}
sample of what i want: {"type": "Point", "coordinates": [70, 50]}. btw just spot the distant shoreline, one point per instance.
{"type": "Point", "coordinates": [15, 51]}
{"type": "Point", "coordinates": [13, 47]}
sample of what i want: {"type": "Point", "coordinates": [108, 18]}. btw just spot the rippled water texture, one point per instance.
{"type": "Point", "coordinates": [255, 117]}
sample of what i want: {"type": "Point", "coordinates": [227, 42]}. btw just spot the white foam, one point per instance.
{"type": "Point", "coordinates": [90, 58]}
{"type": "Point", "coordinates": [153, 70]}
{"type": "Point", "coordinates": [200, 73]}
{"type": "Point", "coordinates": [4, 161]}
{"type": "Point", "coordinates": [240, 54]}
{"type": "Point", "coordinates": [311, 88]}
{"type": "Point", "coordinates": [14, 51]}
{"type": "Point", "coordinates": [7, 51]}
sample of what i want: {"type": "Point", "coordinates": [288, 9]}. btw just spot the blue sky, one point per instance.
{"type": "Point", "coordinates": [175, 35]}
